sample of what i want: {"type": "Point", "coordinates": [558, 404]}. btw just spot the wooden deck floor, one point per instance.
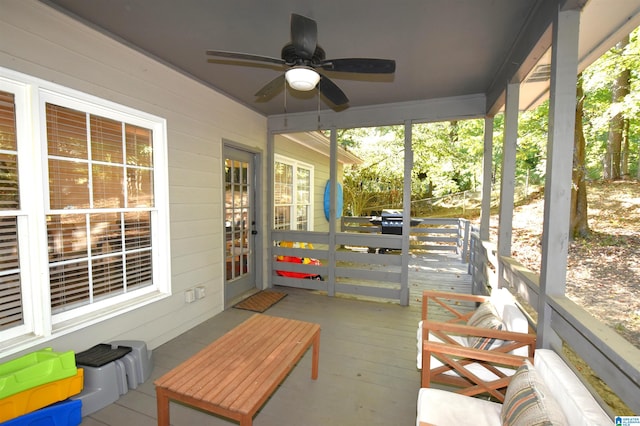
{"type": "Point", "coordinates": [368, 373]}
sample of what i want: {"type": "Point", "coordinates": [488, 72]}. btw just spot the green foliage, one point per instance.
{"type": "Point", "coordinates": [378, 182]}
{"type": "Point", "coordinates": [448, 155]}
{"type": "Point", "coordinates": [532, 145]}
{"type": "Point", "coordinates": [599, 78]}
{"type": "Point", "coordinates": [447, 159]}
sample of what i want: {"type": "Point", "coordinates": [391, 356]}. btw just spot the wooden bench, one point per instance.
{"type": "Point", "coordinates": [236, 374]}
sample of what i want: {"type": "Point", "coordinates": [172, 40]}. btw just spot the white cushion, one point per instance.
{"type": "Point", "coordinates": [439, 407]}
{"type": "Point", "coordinates": [514, 320]}
{"type": "Point", "coordinates": [499, 298]}
{"type": "Point", "coordinates": [579, 406]}
{"type": "Point", "coordinates": [512, 317]}
{"type": "Point", "coordinates": [461, 340]}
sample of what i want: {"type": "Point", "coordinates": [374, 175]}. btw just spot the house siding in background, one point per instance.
{"type": "Point", "coordinates": [298, 146]}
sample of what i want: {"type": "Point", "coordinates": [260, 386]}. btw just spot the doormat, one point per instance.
{"type": "Point", "coordinates": [260, 301]}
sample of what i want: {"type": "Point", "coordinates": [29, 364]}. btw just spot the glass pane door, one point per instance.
{"type": "Point", "coordinates": [239, 223]}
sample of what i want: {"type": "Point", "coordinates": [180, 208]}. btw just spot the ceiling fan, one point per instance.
{"type": "Point", "coordinates": [302, 58]}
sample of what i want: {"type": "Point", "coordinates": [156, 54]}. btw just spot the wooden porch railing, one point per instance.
{"type": "Point", "coordinates": [348, 271]}
{"type": "Point", "coordinates": [442, 234]}
{"type": "Point", "coordinates": [350, 264]}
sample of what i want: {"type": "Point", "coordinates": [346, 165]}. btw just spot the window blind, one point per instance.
{"type": "Point", "coordinates": [100, 176]}
{"type": "Point", "coordinates": [11, 312]}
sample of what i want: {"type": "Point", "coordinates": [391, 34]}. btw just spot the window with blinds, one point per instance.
{"type": "Point", "coordinates": [293, 195]}
{"type": "Point", "coordinates": [84, 210]}
{"type": "Point", "coordinates": [11, 311]}
{"type": "Point", "coordinates": [303, 198]}
{"type": "Point", "coordinates": [100, 174]}
{"type": "Point", "coordinates": [283, 195]}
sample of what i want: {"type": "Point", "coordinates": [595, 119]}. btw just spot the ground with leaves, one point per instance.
{"type": "Point", "coordinates": [603, 271]}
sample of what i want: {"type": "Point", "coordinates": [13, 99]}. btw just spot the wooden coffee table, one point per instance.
{"type": "Point", "coordinates": [236, 374]}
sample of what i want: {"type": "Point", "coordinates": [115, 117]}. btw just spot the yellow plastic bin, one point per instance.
{"type": "Point", "coordinates": [40, 396]}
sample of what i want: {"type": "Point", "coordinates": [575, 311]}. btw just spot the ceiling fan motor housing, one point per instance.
{"type": "Point", "coordinates": [290, 56]}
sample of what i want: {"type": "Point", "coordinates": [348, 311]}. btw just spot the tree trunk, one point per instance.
{"type": "Point", "coordinates": [624, 167]}
{"type": "Point", "coordinates": [619, 90]}
{"type": "Point", "coordinates": [579, 225]}
{"type": "Point", "coordinates": [638, 167]}
{"type": "Point", "coordinates": [453, 132]}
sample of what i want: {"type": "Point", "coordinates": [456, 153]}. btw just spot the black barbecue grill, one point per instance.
{"type": "Point", "coordinates": [390, 222]}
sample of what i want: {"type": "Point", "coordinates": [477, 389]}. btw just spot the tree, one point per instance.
{"type": "Point", "coordinates": [447, 157]}
{"type": "Point", "coordinates": [532, 145]}
{"type": "Point", "coordinates": [378, 182]}
{"type": "Point", "coordinates": [620, 89]}
{"type": "Point", "coordinates": [606, 75]}
{"type": "Point", "coordinates": [579, 226]}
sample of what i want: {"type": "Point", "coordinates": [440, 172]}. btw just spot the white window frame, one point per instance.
{"type": "Point", "coordinates": [39, 325]}
{"type": "Point", "coordinates": [278, 158]}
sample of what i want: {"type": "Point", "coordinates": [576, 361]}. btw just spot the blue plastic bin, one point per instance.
{"type": "Point", "coordinates": [65, 413]}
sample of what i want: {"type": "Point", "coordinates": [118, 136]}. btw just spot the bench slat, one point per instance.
{"type": "Point", "coordinates": [245, 367]}
{"type": "Point", "coordinates": [271, 374]}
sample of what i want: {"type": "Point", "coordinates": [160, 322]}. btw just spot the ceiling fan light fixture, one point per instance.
{"type": "Point", "coordinates": [302, 78]}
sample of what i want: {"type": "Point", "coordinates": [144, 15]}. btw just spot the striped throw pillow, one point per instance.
{"type": "Point", "coordinates": [485, 317]}
{"type": "Point", "coordinates": [528, 402]}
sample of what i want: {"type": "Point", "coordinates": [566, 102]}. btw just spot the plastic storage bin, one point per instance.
{"type": "Point", "coordinates": [102, 386]}
{"type": "Point", "coordinates": [138, 363]}
{"type": "Point", "coordinates": [40, 396]}
{"type": "Point", "coordinates": [65, 413]}
{"type": "Point", "coordinates": [35, 369]}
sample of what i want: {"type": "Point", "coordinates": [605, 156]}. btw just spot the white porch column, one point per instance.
{"type": "Point", "coordinates": [508, 173]}
{"type": "Point", "coordinates": [333, 195]}
{"type": "Point", "coordinates": [270, 204]}
{"type": "Point", "coordinates": [557, 192]}
{"type": "Point", "coordinates": [406, 213]}
{"type": "Point", "coordinates": [487, 173]}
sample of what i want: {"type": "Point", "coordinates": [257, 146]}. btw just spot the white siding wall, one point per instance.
{"type": "Point", "coordinates": [39, 41]}
{"type": "Point", "coordinates": [320, 163]}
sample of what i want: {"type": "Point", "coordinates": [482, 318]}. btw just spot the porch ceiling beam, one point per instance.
{"type": "Point", "coordinates": [528, 48]}
{"type": "Point", "coordinates": [431, 110]}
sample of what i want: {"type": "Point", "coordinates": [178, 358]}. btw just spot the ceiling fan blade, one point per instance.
{"type": "Point", "coordinates": [271, 88]}
{"type": "Point", "coordinates": [360, 65]}
{"type": "Point", "coordinates": [304, 35]}
{"type": "Point", "coordinates": [332, 92]}
{"type": "Point", "coordinates": [244, 56]}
